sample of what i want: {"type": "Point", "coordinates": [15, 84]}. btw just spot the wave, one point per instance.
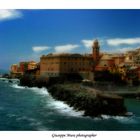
{"type": "Point", "coordinates": [41, 91]}
{"type": "Point", "coordinates": [59, 106]}
{"type": "Point", "coordinates": [64, 109]}
{"type": "Point", "coordinates": [17, 86]}
{"type": "Point", "coordinates": [38, 125]}
{"type": "Point", "coordinates": [121, 119]}
{"type": "Point", "coordinates": [3, 78]}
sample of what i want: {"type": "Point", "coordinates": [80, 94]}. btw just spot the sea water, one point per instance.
{"type": "Point", "coordinates": [23, 108]}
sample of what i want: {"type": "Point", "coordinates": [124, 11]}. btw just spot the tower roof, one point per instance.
{"type": "Point", "coordinates": [95, 43]}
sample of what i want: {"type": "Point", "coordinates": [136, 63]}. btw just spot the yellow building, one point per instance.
{"type": "Point", "coordinates": [32, 65]}
{"type": "Point", "coordinates": [53, 65]}
{"type": "Point", "coordinates": [14, 68]}
{"type": "Point", "coordinates": [15, 73]}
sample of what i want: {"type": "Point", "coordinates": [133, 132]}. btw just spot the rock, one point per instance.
{"type": "Point", "coordinates": [93, 103]}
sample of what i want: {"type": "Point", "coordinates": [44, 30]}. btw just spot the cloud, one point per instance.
{"type": "Point", "coordinates": [87, 43]}
{"type": "Point", "coordinates": [9, 14]}
{"type": "Point", "coordinates": [65, 48]}
{"type": "Point", "coordinates": [122, 50]}
{"type": "Point", "coordinates": [39, 49]}
{"type": "Point", "coordinates": [123, 41]}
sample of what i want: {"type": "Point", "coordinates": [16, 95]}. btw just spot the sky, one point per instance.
{"type": "Point", "coordinates": [27, 34]}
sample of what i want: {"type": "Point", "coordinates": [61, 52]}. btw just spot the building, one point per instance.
{"type": "Point", "coordinates": [23, 66]}
{"type": "Point", "coordinates": [53, 65]}
{"type": "Point", "coordinates": [96, 51]}
{"type": "Point", "coordinates": [32, 65]}
{"type": "Point", "coordinates": [127, 65]}
{"type": "Point", "coordinates": [15, 73]}
{"type": "Point", "coordinates": [18, 70]}
{"type": "Point", "coordinates": [118, 59]}
{"type": "Point", "coordinates": [109, 61]}
{"type": "Point", "coordinates": [14, 68]}
{"type": "Point", "coordinates": [105, 62]}
{"type": "Point", "coordinates": [133, 57]}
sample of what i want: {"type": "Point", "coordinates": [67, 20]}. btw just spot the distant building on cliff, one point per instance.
{"type": "Point", "coordinates": [23, 66]}
{"type": "Point", "coordinates": [14, 71]}
{"type": "Point", "coordinates": [53, 65]}
{"type": "Point", "coordinates": [27, 65]}
{"type": "Point", "coordinates": [32, 65]}
{"type": "Point", "coordinates": [18, 70]}
{"type": "Point", "coordinates": [109, 61]}
{"type": "Point", "coordinates": [14, 68]}
{"type": "Point", "coordinates": [85, 65]}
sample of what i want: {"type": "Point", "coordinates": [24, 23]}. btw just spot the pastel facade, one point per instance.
{"type": "Point", "coordinates": [105, 62]}
{"type": "Point", "coordinates": [14, 68]}
{"type": "Point", "coordinates": [32, 65]}
{"type": "Point", "coordinates": [53, 65]}
{"type": "Point", "coordinates": [23, 66]}
{"type": "Point", "coordinates": [15, 71]}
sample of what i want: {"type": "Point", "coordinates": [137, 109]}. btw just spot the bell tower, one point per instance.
{"type": "Point", "coordinates": [95, 51]}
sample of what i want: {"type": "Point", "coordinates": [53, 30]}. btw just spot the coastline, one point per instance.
{"type": "Point", "coordinates": [93, 102]}
{"type": "Point", "coordinates": [78, 90]}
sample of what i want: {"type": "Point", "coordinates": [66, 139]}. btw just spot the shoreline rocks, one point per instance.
{"type": "Point", "coordinates": [93, 102]}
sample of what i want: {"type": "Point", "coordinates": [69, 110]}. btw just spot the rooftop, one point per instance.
{"type": "Point", "coordinates": [66, 55]}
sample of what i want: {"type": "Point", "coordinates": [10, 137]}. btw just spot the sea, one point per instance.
{"type": "Point", "coordinates": [29, 109]}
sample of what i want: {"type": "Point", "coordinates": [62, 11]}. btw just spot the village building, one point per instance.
{"type": "Point", "coordinates": [32, 65]}
{"type": "Point", "coordinates": [85, 65]}
{"type": "Point", "coordinates": [53, 65]}
{"type": "Point", "coordinates": [14, 68]}
{"type": "Point", "coordinates": [14, 71]}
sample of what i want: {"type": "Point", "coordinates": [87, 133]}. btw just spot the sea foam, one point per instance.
{"type": "Point", "coordinates": [58, 106]}
{"type": "Point", "coordinates": [17, 86]}
{"type": "Point", "coordinates": [121, 119]}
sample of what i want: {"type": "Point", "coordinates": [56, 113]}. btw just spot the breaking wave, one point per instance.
{"type": "Point", "coordinates": [63, 109]}
{"type": "Point", "coordinates": [17, 86]}
{"type": "Point", "coordinates": [58, 106]}
{"type": "Point", "coordinates": [121, 119]}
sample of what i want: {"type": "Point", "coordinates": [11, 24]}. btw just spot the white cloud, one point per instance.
{"type": "Point", "coordinates": [87, 43]}
{"type": "Point", "coordinates": [39, 49]}
{"type": "Point", "coordinates": [9, 14]}
{"type": "Point", "coordinates": [123, 41]}
{"type": "Point", "coordinates": [121, 50]}
{"type": "Point", "coordinates": [65, 48]}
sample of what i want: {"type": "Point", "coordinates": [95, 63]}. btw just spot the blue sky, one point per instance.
{"type": "Point", "coordinates": [27, 34]}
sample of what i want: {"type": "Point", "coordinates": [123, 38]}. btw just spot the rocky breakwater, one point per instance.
{"type": "Point", "coordinates": [93, 102]}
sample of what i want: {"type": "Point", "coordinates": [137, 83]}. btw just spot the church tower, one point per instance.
{"type": "Point", "coordinates": [96, 51]}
